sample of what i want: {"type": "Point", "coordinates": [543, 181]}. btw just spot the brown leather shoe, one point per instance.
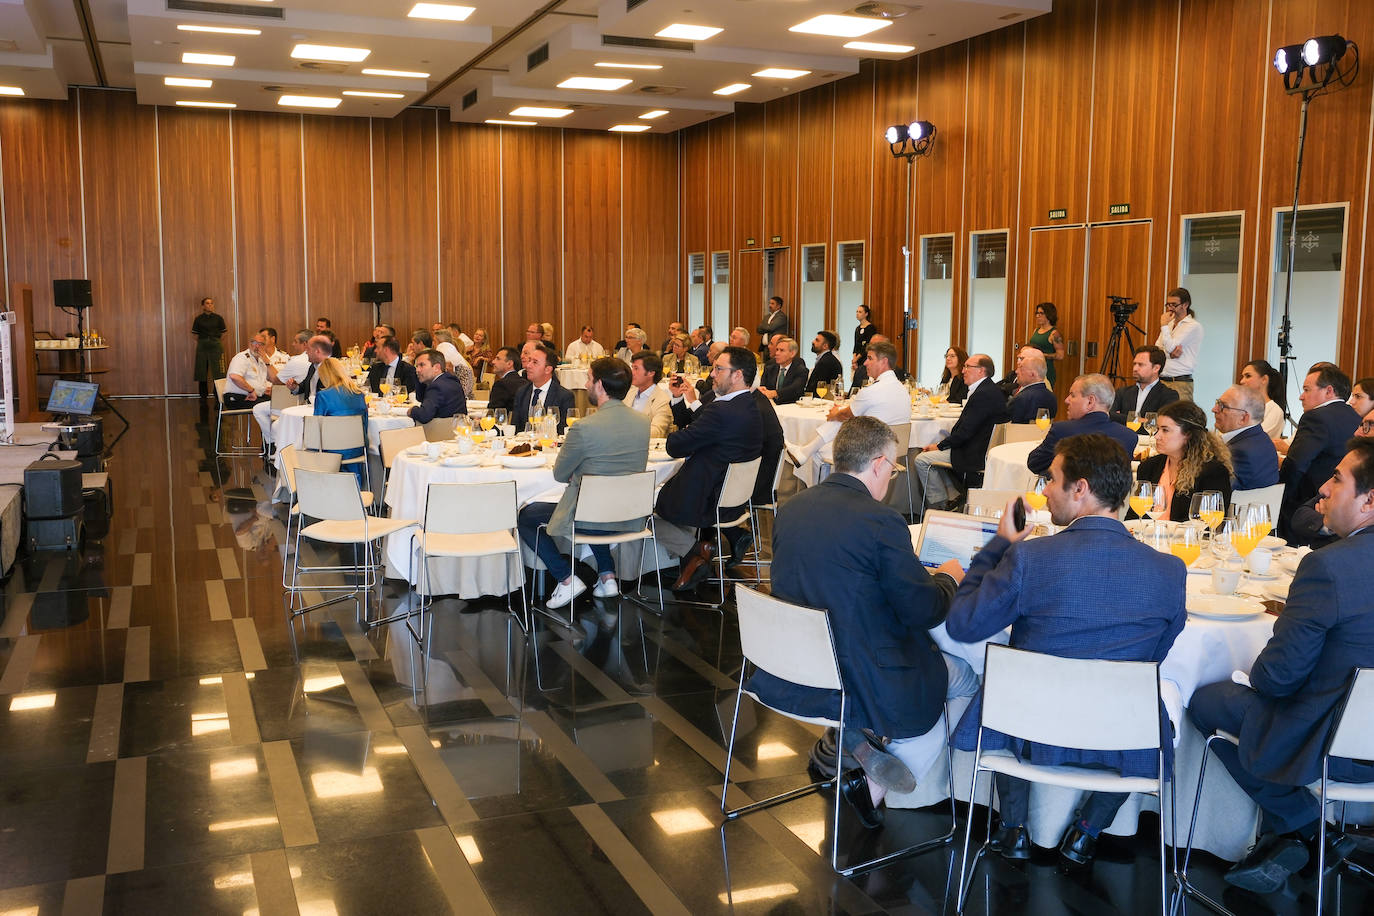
{"type": "Point", "coordinates": [695, 566]}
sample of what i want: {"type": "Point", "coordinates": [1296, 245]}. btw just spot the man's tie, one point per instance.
{"type": "Point", "coordinates": [534, 401]}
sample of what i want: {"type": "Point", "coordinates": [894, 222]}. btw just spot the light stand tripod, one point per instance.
{"type": "Point", "coordinates": [908, 141]}
{"type": "Point", "coordinates": [1121, 309]}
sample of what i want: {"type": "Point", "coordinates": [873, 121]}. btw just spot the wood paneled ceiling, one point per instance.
{"type": "Point", "coordinates": [504, 55]}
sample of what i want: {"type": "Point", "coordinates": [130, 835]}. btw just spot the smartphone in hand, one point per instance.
{"type": "Point", "coordinates": [1018, 515]}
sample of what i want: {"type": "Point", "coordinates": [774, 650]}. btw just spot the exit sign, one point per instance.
{"type": "Point", "coordinates": [1119, 209]}
{"type": "Point", "coordinates": [751, 242]}
{"type": "Point", "coordinates": [1059, 214]}
{"type": "Point", "coordinates": [777, 240]}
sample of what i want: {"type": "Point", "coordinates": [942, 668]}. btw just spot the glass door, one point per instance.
{"type": "Point", "coordinates": [812, 311]}
{"type": "Point", "coordinates": [935, 328]}
{"type": "Point", "coordinates": [696, 290]}
{"type": "Point", "coordinates": [1318, 287]}
{"type": "Point", "coordinates": [849, 295]}
{"type": "Point", "coordinates": [720, 295]}
{"type": "Point", "coordinates": [1209, 268]}
{"type": "Point", "coordinates": [987, 296]}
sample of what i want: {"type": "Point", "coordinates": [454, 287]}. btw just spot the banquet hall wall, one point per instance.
{"type": "Point", "coordinates": [279, 216]}
{"type": "Point", "coordinates": [1170, 106]}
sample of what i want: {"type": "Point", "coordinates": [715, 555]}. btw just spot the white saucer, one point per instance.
{"type": "Point", "coordinates": [1211, 606]}
{"type": "Point", "coordinates": [1278, 589]}
{"type": "Point", "coordinates": [462, 461]}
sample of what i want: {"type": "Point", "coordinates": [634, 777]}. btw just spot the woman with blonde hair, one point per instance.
{"type": "Point", "coordinates": [340, 396]}
{"type": "Point", "coordinates": [1191, 458]}
{"type": "Point", "coordinates": [679, 357]}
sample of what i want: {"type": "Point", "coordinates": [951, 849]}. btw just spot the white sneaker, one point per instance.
{"type": "Point", "coordinates": [606, 588]}
{"type": "Point", "coordinates": [565, 592]}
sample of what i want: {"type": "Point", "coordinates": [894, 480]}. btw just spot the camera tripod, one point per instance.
{"type": "Point", "coordinates": [1111, 353]}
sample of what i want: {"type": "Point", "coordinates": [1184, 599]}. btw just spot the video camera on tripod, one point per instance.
{"type": "Point", "coordinates": [1121, 307]}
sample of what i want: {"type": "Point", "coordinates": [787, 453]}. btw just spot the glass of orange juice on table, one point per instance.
{"type": "Point", "coordinates": [1207, 507]}
{"type": "Point", "coordinates": [1142, 499]}
{"type": "Point", "coordinates": [821, 389]}
{"type": "Point", "coordinates": [488, 422]}
{"type": "Point", "coordinates": [1187, 544]}
{"type": "Point", "coordinates": [1246, 534]}
{"type": "Point", "coordinates": [574, 414]}
{"type": "Point", "coordinates": [1042, 419]}
{"type": "Point", "coordinates": [1133, 421]}
{"type": "Point", "coordinates": [384, 388]}
{"type": "Point", "coordinates": [1035, 494]}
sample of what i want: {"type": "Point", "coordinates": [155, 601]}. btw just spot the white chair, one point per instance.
{"type": "Point", "coordinates": [1353, 739]}
{"type": "Point", "coordinates": [1003, 433]}
{"type": "Point", "coordinates": [1042, 698]}
{"type": "Point", "coordinates": [613, 499]}
{"type": "Point", "coordinates": [292, 461]}
{"type": "Point", "coordinates": [337, 434]}
{"type": "Point", "coordinates": [391, 442]}
{"type": "Point", "coordinates": [283, 397]}
{"type": "Point", "coordinates": [440, 429]}
{"type": "Point", "coordinates": [795, 644]}
{"type": "Point", "coordinates": [903, 433]}
{"type": "Point", "coordinates": [336, 502]}
{"type": "Point", "coordinates": [771, 506]}
{"type": "Point", "coordinates": [244, 450]}
{"type": "Point", "coordinates": [736, 490]}
{"type": "Point", "coordinates": [1270, 496]}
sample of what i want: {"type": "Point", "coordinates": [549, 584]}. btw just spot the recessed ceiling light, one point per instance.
{"type": "Point", "coordinates": [841, 26]}
{"type": "Point", "coordinates": [330, 53]}
{"type": "Point", "coordinates": [363, 94]}
{"type": "Point", "coordinates": [189, 103]}
{"type": "Point", "coordinates": [688, 32]}
{"type": "Point", "coordinates": [534, 111]}
{"type": "Point", "coordinates": [629, 128]}
{"type": "Point", "coordinates": [449, 12]}
{"type": "Point", "coordinates": [211, 60]}
{"type": "Point", "coordinates": [218, 29]}
{"type": "Point", "coordinates": [404, 74]}
{"type": "Point", "coordinates": [612, 65]}
{"type": "Point", "coordinates": [656, 113]}
{"type": "Point", "coordinates": [511, 123]}
{"type": "Point", "coordinates": [731, 89]}
{"type": "Point", "coordinates": [309, 101]}
{"type": "Point", "coordinates": [188, 82]}
{"type": "Point", "coordinates": [780, 73]}
{"type": "Point", "coordinates": [878, 47]}
{"type": "Point", "coordinates": [11, 90]}
{"type": "Point", "coordinates": [599, 83]}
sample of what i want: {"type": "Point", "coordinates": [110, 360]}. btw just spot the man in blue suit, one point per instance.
{"type": "Point", "coordinates": [1032, 392]}
{"type": "Point", "coordinates": [440, 394]}
{"type": "Point", "coordinates": [966, 446]}
{"type": "Point", "coordinates": [1126, 603]}
{"type": "Point", "coordinates": [1298, 683]}
{"type": "Point", "coordinates": [881, 603]}
{"type": "Point", "coordinates": [1087, 403]}
{"type": "Point", "coordinates": [1254, 462]}
{"type": "Point", "coordinates": [1311, 455]}
{"type": "Point", "coordinates": [541, 388]}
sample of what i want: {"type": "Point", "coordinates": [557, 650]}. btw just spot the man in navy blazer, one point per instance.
{"type": "Point", "coordinates": [541, 388]}
{"type": "Point", "coordinates": [508, 381]}
{"type": "Point", "coordinates": [1298, 683]}
{"type": "Point", "coordinates": [440, 393]}
{"type": "Point", "coordinates": [1148, 394]}
{"type": "Point", "coordinates": [1087, 403]}
{"type": "Point", "coordinates": [1254, 461]}
{"type": "Point", "coordinates": [1033, 394]}
{"type": "Point", "coordinates": [827, 369]}
{"type": "Point", "coordinates": [784, 379]}
{"type": "Point", "coordinates": [1311, 455]}
{"type": "Point", "coordinates": [881, 603]}
{"type": "Point", "coordinates": [966, 446]}
{"type": "Point", "coordinates": [1126, 603]}
{"type": "Point", "coordinates": [711, 437]}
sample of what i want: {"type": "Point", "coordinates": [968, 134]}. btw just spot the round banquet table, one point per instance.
{"type": "Point", "coordinates": [1006, 468]}
{"type": "Point", "coordinates": [408, 487]}
{"type": "Point", "coordinates": [289, 427]}
{"type": "Point", "coordinates": [1205, 652]}
{"type": "Point", "coordinates": [573, 377]}
{"type": "Point", "coordinates": [800, 423]}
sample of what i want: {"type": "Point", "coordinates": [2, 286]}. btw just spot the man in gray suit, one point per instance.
{"type": "Point", "coordinates": [614, 440]}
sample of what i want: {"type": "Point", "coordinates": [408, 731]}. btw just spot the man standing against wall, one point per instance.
{"type": "Point", "coordinates": [208, 328]}
{"type": "Point", "coordinates": [1180, 337]}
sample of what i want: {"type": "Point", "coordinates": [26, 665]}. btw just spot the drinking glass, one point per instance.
{"type": "Point", "coordinates": [537, 413]}
{"type": "Point", "coordinates": [1042, 419]}
{"type": "Point", "coordinates": [1246, 534]}
{"type": "Point", "coordinates": [488, 422]}
{"type": "Point", "coordinates": [1186, 544]}
{"type": "Point", "coordinates": [1150, 423]}
{"type": "Point", "coordinates": [1133, 421]}
{"type": "Point", "coordinates": [399, 393]}
{"type": "Point", "coordinates": [1142, 499]}
{"type": "Point", "coordinates": [462, 426]}
{"type": "Point", "coordinates": [552, 413]}
{"type": "Point", "coordinates": [1262, 518]}
{"type": "Point", "coordinates": [840, 393]}
{"type": "Point", "coordinates": [500, 415]}
{"type": "Point", "coordinates": [1207, 507]}
{"type": "Point", "coordinates": [1035, 494]}
{"type": "Point", "coordinates": [574, 414]}
{"type": "Point", "coordinates": [1223, 538]}
{"type": "Point", "coordinates": [822, 389]}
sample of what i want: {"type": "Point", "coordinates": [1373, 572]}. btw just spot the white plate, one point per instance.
{"type": "Point", "coordinates": [1223, 607]}
{"type": "Point", "coordinates": [522, 461]}
{"type": "Point", "coordinates": [462, 461]}
{"type": "Point", "coordinates": [1278, 589]}
{"type": "Point", "coordinates": [660, 456]}
{"type": "Point", "coordinates": [1272, 542]}
{"type": "Point", "coordinates": [417, 449]}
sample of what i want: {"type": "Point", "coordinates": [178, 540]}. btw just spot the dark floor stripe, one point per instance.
{"type": "Point", "coordinates": [128, 815]}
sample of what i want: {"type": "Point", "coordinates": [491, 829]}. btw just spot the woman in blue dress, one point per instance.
{"type": "Point", "coordinates": [340, 396]}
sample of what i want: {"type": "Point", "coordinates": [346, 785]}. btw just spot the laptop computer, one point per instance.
{"type": "Point", "coordinates": [952, 536]}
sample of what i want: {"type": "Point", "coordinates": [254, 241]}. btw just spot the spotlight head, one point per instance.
{"type": "Point", "coordinates": [1288, 58]}
{"type": "Point", "coordinates": [896, 133]}
{"type": "Point", "coordinates": [1326, 49]}
{"type": "Point", "coordinates": [920, 130]}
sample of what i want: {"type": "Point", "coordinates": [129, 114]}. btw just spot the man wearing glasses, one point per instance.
{"type": "Point", "coordinates": [1180, 337]}
{"type": "Point", "coordinates": [1254, 463]}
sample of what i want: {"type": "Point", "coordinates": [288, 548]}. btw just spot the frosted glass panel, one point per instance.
{"type": "Point", "coordinates": [696, 290]}
{"type": "Point", "coordinates": [812, 298]}
{"type": "Point", "coordinates": [1211, 274]}
{"type": "Point", "coordinates": [1318, 281]}
{"type": "Point", "coordinates": [720, 295]}
{"type": "Point", "coordinates": [849, 295]}
{"type": "Point", "coordinates": [987, 314]}
{"type": "Point", "coordinates": [936, 327]}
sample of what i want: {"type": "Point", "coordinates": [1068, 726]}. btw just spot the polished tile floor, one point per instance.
{"type": "Point", "coordinates": [164, 750]}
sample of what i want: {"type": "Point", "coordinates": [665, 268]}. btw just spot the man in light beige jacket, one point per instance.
{"type": "Point", "coordinates": [646, 369]}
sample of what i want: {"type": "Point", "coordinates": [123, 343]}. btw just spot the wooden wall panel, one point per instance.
{"type": "Point", "coordinates": [692, 194]}
{"type": "Point", "coordinates": [338, 225]}
{"type": "Point", "coordinates": [720, 195]}
{"type": "Point", "coordinates": [405, 219]}
{"type": "Point", "coordinates": [992, 130]}
{"type": "Point", "coordinates": [1118, 265]}
{"type": "Point", "coordinates": [750, 155]}
{"type": "Point", "coordinates": [195, 172]}
{"type": "Point", "coordinates": [592, 267]}
{"type": "Point", "coordinates": [470, 211]}
{"type": "Point", "coordinates": [120, 194]}
{"type": "Point", "coordinates": [895, 102]}
{"type": "Point", "coordinates": [1054, 268]}
{"type": "Point", "coordinates": [938, 186]}
{"type": "Point", "coordinates": [815, 165]}
{"type": "Point", "coordinates": [780, 163]}
{"type": "Point", "coordinates": [854, 158]}
{"type": "Point", "coordinates": [531, 195]}
{"type": "Point", "coordinates": [269, 224]}
{"type": "Point", "coordinates": [653, 292]}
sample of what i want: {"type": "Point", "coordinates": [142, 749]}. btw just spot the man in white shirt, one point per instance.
{"type": "Point", "coordinates": [1180, 337]}
{"type": "Point", "coordinates": [246, 380]}
{"type": "Point", "coordinates": [646, 369]}
{"type": "Point", "coordinates": [585, 346]}
{"type": "Point", "coordinates": [274, 358]}
{"type": "Point", "coordinates": [887, 399]}
{"type": "Point", "coordinates": [289, 373]}
{"type": "Point", "coordinates": [459, 338]}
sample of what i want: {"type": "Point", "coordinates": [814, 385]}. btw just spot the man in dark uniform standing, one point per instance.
{"type": "Point", "coordinates": [208, 328]}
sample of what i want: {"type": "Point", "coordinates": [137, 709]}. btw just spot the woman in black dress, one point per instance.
{"type": "Point", "coordinates": [955, 357]}
{"type": "Point", "coordinates": [863, 334]}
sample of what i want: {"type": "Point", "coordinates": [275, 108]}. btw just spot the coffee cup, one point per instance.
{"type": "Point", "coordinates": [434, 449]}
{"type": "Point", "coordinates": [1260, 558]}
{"type": "Point", "coordinates": [1225, 580]}
{"type": "Point", "coordinates": [464, 445]}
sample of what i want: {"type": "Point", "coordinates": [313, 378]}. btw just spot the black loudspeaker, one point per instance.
{"type": "Point", "coordinates": [71, 294]}
{"type": "Point", "coordinates": [52, 489]}
{"type": "Point", "coordinates": [375, 292]}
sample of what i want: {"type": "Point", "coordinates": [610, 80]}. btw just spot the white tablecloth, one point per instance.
{"type": "Point", "coordinates": [1006, 467]}
{"type": "Point", "coordinates": [573, 377]}
{"type": "Point", "coordinates": [405, 496]}
{"type": "Point", "coordinates": [800, 423]}
{"type": "Point", "coordinates": [289, 427]}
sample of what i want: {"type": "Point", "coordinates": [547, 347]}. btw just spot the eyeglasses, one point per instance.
{"type": "Point", "coordinates": [893, 472]}
{"type": "Point", "coordinates": [723, 369]}
{"type": "Point", "coordinates": [1225, 406]}
{"type": "Point", "coordinates": [1367, 426]}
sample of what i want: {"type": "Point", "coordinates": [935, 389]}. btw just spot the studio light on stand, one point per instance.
{"type": "Point", "coordinates": [1319, 65]}
{"type": "Point", "coordinates": [908, 141]}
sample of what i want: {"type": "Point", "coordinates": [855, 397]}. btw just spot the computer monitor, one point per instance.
{"type": "Point", "coordinates": [952, 536]}
{"type": "Point", "coordinates": [73, 398]}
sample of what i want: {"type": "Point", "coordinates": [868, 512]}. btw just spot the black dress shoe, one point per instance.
{"type": "Point", "coordinates": [1268, 864]}
{"type": "Point", "coordinates": [1011, 843]}
{"type": "Point", "coordinates": [696, 566]}
{"type": "Point", "coordinates": [854, 789]}
{"type": "Point", "coordinates": [1077, 848]}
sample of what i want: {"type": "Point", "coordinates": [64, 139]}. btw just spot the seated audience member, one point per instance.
{"type": "Point", "coordinates": [541, 388]}
{"type": "Point", "coordinates": [674, 329]}
{"type": "Point", "coordinates": [246, 378]}
{"type": "Point", "coordinates": [1327, 423]}
{"type": "Point", "coordinates": [1131, 608]}
{"type": "Point", "coordinates": [481, 350]}
{"type": "Point", "coordinates": [612, 441]}
{"type": "Point", "coordinates": [1254, 462]}
{"type": "Point", "coordinates": [439, 393]}
{"type": "Point", "coordinates": [326, 327]}
{"type": "Point", "coordinates": [1086, 412]}
{"type": "Point", "coordinates": [534, 333]}
{"type": "Point", "coordinates": [547, 329]}
{"type": "Point", "coordinates": [739, 337]}
{"type": "Point", "coordinates": [1191, 459]}
{"type": "Point", "coordinates": [290, 374]}
{"type": "Point", "coordinates": [458, 365]}
{"type": "Point", "coordinates": [701, 344]}
{"type": "Point", "coordinates": [678, 359]}
{"type": "Point", "coordinates": [965, 449]}
{"type": "Point", "coordinates": [1010, 385]}
{"type": "Point", "coordinates": [340, 396]}
{"type": "Point", "coordinates": [1032, 394]}
{"type": "Point", "coordinates": [1265, 379]}
{"type": "Point", "coordinates": [390, 368]}
{"type": "Point", "coordinates": [784, 379]}
{"type": "Point", "coordinates": [585, 346]}
{"type": "Point", "coordinates": [711, 436]}
{"type": "Point", "coordinates": [508, 381]}
{"type": "Point", "coordinates": [1148, 394]}
{"type": "Point", "coordinates": [887, 399]}
{"type": "Point", "coordinates": [953, 377]}
{"type": "Point", "coordinates": [1362, 396]}
{"type": "Point", "coordinates": [273, 357]}
{"type": "Point", "coordinates": [860, 378]}
{"type": "Point", "coordinates": [420, 339]}
{"type": "Point", "coordinates": [380, 333]}
{"type": "Point", "coordinates": [620, 344]}
{"type": "Point", "coordinates": [317, 350]}
{"type": "Point", "coordinates": [1285, 716]}
{"type": "Point", "coordinates": [460, 340]}
{"type": "Point", "coordinates": [646, 397]}
{"type": "Point", "coordinates": [882, 603]}
{"type": "Point", "coordinates": [1308, 524]}
{"type": "Point", "coordinates": [636, 341]}
{"type": "Point", "coordinates": [827, 370]}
